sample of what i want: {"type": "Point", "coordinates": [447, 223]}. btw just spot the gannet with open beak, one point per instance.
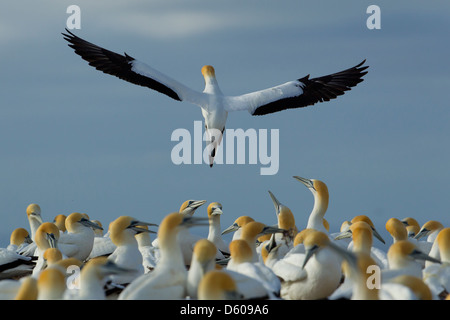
{"type": "Point", "coordinates": [214, 104]}
{"type": "Point", "coordinates": [168, 279]}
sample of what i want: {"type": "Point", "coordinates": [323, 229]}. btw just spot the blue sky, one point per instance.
{"type": "Point", "coordinates": [74, 139]}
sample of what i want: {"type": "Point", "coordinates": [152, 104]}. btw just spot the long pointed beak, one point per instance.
{"type": "Point", "coordinates": [231, 228]}
{"type": "Point", "coordinates": [270, 229]}
{"type": "Point", "coordinates": [308, 255]}
{"type": "Point", "coordinates": [195, 221]}
{"type": "Point", "coordinates": [377, 235]}
{"type": "Point", "coordinates": [134, 225]}
{"type": "Point", "coordinates": [197, 203]}
{"type": "Point", "coordinates": [307, 182]}
{"type": "Point", "coordinates": [344, 235]}
{"type": "Point", "coordinates": [110, 268]}
{"type": "Point", "coordinates": [276, 203]}
{"type": "Point", "coordinates": [419, 255]}
{"type": "Point", "coordinates": [422, 233]}
{"type": "Point", "coordinates": [88, 223]}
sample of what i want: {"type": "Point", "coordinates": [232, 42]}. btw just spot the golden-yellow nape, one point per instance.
{"type": "Point", "coordinates": [397, 229]}
{"type": "Point", "coordinates": [19, 236]}
{"type": "Point", "coordinates": [240, 251]}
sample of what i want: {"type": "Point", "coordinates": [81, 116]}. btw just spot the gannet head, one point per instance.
{"type": "Point", "coordinates": [208, 72]}
{"type": "Point", "coordinates": [397, 229]}
{"type": "Point", "coordinates": [75, 219]}
{"type": "Point", "coordinates": [19, 236]}
{"type": "Point", "coordinates": [238, 223]}
{"type": "Point", "coordinates": [285, 216]}
{"type": "Point", "coordinates": [408, 221]}
{"type": "Point", "coordinates": [428, 228]}
{"type": "Point", "coordinates": [254, 229]}
{"type": "Point", "coordinates": [367, 220]}
{"type": "Point", "coordinates": [316, 240]}
{"type": "Point", "coordinates": [240, 251]}
{"type": "Point", "coordinates": [205, 253]}
{"type": "Point", "coordinates": [60, 221]}
{"type": "Point", "coordinates": [172, 224]}
{"type": "Point", "coordinates": [124, 228]}
{"type": "Point", "coordinates": [300, 237]}
{"type": "Point", "coordinates": [402, 251]}
{"type": "Point", "coordinates": [218, 285]}
{"type": "Point", "coordinates": [189, 206]}
{"type": "Point", "coordinates": [215, 208]}
{"type": "Point", "coordinates": [47, 236]}
{"type": "Point", "coordinates": [52, 255]}
{"type": "Point", "coordinates": [34, 212]}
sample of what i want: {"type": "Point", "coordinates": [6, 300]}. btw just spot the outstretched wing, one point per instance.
{"type": "Point", "coordinates": [129, 69]}
{"type": "Point", "coordinates": [299, 93]}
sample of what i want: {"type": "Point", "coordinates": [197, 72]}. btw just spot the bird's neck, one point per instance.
{"type": "Point", "coordinates": [315, 220]}
{"type": "Point", "coordinates": [214, 228]}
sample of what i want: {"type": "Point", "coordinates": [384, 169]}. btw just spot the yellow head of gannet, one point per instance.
{"type": "Point", "coordinates": [52, 255]}
{"type": "Point", "coordinates": [300, 237]}
{"type": "Point", "coordinates": [51, 284]}
{"type": "Point", "coordinates": [218, 285]}
{"type": "Point", "coordinates": [237, 224]}
{"type": "Point", "coordinates": [124, 228]}
{"type": "Point", "coordinates": [252, 230]}
{"type": "Point", "coordinates": [361, 234]}
{"type": "Point", "coordinates": [316, 240]}
{"type": "Point", "coordinates": [19, 236]}
{"type": "Point", "coordinates": [321, 198]}
{"type": "Point", "coordinates": [402, 252]}
{"type": "Point", "coordinates": [208, 72]}
{"type": "Point", "coordinates": [34, 218]}
{"type": "Point", "coordinates": [60, 221]}
{"type": "Point", "coordinates": [214, 208]}
{"type": "Point", "coordinates": [408, 221]}
{"type": "Point", "coordinates": [416, 285]}
{"type": "Point", "coordinates": [204, 252]}
{"type": "Point", "coordinates": [189, 206]}
{"type": "Point", "coordinates": [171, 225]}
{"type": "Point", "coordinates": [76, 219]}
{"type": "Point", "coordinates": [47, 236]}
{"type": "Point", "coordinates": [397, 229]}
{"type": "Point", "coordinates": [285, 216]}
{"type": "Point", "coordinates": [240, 251]}
{"type": "Point", "coordinates": [443, 239]}
{"type": "Point", "coordinates": [370, 223]}
{"type": "Point", "coordinates": [430, 227]}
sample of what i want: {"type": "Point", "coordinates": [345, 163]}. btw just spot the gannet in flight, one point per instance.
{"type": "Point", "coordinates": [214, 104]}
